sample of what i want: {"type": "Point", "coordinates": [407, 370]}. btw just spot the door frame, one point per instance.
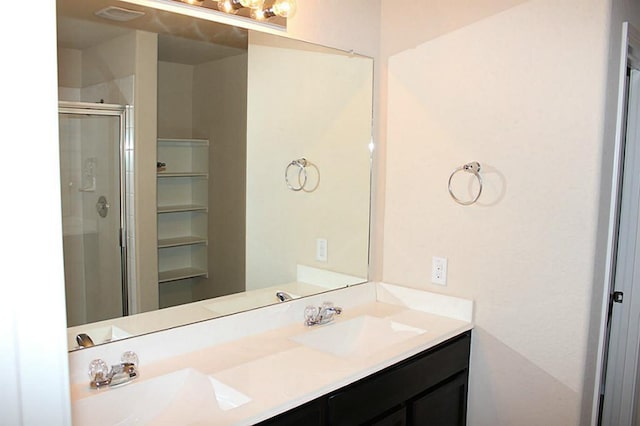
{"type": "Point", "coordinates": [629, 59]}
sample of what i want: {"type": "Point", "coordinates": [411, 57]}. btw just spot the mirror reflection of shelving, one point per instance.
{"type": "Point", "coordinates": [182, 209]}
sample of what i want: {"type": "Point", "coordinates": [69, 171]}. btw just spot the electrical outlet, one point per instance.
{"type": "Point", "coordinates": [322, 250]}
{"type": "Point", "coordinates": [439, 270]}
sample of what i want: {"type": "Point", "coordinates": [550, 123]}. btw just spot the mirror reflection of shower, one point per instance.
{"type": "Point", "coordinates": [92, 168]}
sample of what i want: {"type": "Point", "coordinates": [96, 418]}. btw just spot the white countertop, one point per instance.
{"type": "Point", "coordinates": [277, 373]}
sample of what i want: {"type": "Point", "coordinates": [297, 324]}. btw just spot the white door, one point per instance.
{"type": "Point", "coordinates": [620, 404]}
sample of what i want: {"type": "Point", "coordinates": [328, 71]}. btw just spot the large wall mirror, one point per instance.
{"type": "Point", "coordinates": [205, 169]}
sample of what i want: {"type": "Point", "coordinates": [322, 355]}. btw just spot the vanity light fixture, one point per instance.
{"type": "Point", "coordinates": [273, 12]}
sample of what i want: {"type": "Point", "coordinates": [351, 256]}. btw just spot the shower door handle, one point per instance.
{"type": "Point", "coordinates": [102, 207]}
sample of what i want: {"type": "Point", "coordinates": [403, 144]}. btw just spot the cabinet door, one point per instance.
{"type": "Point", "coordinates": [371, 397]}
{"type": "Point", "coordinates": [446, 405]}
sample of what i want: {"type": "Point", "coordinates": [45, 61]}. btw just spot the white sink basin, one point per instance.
{"type": "Point", "coordinates": [98, 334]}
{"type": "Point", "coordinates": [361, 336]}
{"type": "Point", "coordinates": [182, 397]}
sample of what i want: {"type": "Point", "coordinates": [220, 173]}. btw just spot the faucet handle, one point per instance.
{"type": "Point", "coordinates": [329, 307]}
{"type": "Point", "coordinates": [130, 357]}
{"type": "Point", "coordinates": [310, 314]}
{"type": "Point", "coordinates": [98, 372]}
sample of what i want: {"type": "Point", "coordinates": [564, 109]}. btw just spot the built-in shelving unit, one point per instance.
{"type": "Point", "coordinates": [183, 181]}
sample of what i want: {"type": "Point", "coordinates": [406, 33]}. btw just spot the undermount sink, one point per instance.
{"type": "Point", "coordinates": [183, 397]}
{"type": "Point", "coordinates": [360, 336]}
{"type": "Point", "coordinates": [100, 335]}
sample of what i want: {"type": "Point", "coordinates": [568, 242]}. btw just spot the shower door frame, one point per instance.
{"type": "Point", "coordinates": [125, 166]}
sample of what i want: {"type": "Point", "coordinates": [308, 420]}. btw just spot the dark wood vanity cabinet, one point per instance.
{"type": "Point", "coordinates": [429, 388]}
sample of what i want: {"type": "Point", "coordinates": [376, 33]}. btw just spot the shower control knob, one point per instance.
{"type": "Point", "coordinates": [102, 207]}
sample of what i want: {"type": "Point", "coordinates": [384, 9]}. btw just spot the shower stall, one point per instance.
{"type": "Point", "coordinates": [96, 157]}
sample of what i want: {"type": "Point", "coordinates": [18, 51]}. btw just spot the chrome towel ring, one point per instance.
{"type": "Point", "coordinates": [301, 165]}
{"type": "Point", "coordinates": [473, 168]}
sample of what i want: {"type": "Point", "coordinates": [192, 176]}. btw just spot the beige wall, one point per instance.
{"type": "Point", "coordinates": [109, 60]}
{"type": "Point", "coordinates": [69, 68]}
{"type": "Point", "coordinates": [356, 27]}
{"type": "Point", "coordinates": [220, 114]}
{"type": "Point", "coordinates": [175, 100]}
{"type": "Point", "coordinates": [309, 102]}
{"type": "Point", "coordinates": [145, 128]}
{"type": "Point", "coordinates": [519, 87]}
{"type": "Point", "coordinates": [352, 25]}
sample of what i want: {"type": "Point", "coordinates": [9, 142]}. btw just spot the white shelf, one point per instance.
{"type": "Point", "coordinates": [179, 141]}
{"type": "Point", "coordinates": [180, 241]}
{"type": "Point", "coordinates": [180, 156]}
{"type": "Point", "coordinates": [183, 189]}
{"type": "Point", "coordinates": [182, 174]}
{"type": "Point", "coordinates": [180, 274]}
{"type": "Point", "coordinates": [182, 208]}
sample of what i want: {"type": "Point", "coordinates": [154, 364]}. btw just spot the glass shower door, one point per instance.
{"type": "Point", "coordinates": [91, 138]}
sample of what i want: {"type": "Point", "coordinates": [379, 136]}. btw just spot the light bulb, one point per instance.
{"type": "Point", "coordinates": [285, 8]}
{"type": "Point", "coordinates": [253, 4]}
{"type": "Point", "coordinates": [227, 6]}
{"type": "Point", "coordinates": [258, 14]}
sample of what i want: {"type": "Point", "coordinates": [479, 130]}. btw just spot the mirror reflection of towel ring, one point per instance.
{"type": "Point", "coordinates": [313, 176]}
{"type": "Point", "coordinates": [473, 168]}
{"type": "Point", "coordinates": [302, 174]}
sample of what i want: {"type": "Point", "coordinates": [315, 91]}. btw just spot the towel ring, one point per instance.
{"type": "Point", "coordinates": [301, 164]}
{"type": "Point", "coordinates": [473, 168]}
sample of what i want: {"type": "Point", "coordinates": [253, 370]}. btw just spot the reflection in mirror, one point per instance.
{"type": "Point", "coordinates": [237, 167]}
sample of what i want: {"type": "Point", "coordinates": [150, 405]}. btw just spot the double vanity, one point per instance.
{"type": "Point", "coordinates": [389, 355]}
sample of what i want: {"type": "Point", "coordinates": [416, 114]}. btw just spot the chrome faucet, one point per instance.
{"type": "Point", "coordinates": [283, 296]}
{"type": "Point", "coordinates": [320, 315]}
{"type": "Point", "coordinates": [83, 340]}
{"type": "Point", "coordinates": [119, 374]}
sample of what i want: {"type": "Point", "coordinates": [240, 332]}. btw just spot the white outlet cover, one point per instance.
{"type": "Point", "coordinates": [439, 270]}
{"type": "Point", "coordinates": [322, 250]}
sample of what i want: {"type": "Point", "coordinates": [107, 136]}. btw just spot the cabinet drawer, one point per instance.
{"type": "Point", "coordinates": [370, 397]}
